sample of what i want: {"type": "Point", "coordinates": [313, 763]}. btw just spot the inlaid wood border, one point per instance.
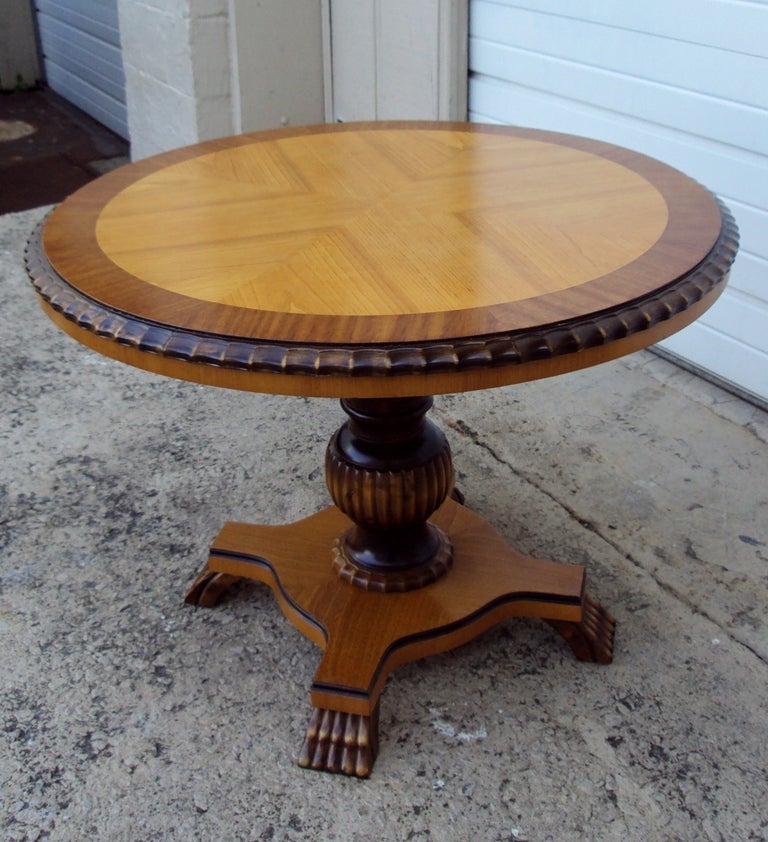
{"type": "Point", "coordinates": [74, 251]}
{"type": "Point", "coordinates": [501, 350]}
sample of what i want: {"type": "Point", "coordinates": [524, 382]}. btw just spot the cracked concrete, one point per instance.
{"type": "Point", "coordinates": [127, 715]}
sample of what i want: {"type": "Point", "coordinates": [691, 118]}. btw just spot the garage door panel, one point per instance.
{"type": "Point", "coordinates": [80, 43]}
{"type": "Point", "coordinates": [723, 356]}
{"type": "Point", "coordinates": [707, 22]}
{"type": "Point", "coordinates": [85, 58]}
{"type": "Point", "coordinates": [688, 111]}
{"type": "Point", "coordinates": [543, 65]}
{"type": "Point", "coordinates": [649, 57]}
{"type": "Point", "coordinates": [89, 99]}
{"type": "Point", "coordinates": [96, 17]}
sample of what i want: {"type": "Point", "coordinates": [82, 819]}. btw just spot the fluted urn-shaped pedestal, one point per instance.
{"type": "Point", "coordinates": [388, 468]}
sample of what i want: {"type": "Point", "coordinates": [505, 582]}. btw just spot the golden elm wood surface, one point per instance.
{"type": "Point", "coordinates": [445, 256]}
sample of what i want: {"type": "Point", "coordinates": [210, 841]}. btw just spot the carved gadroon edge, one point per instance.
{"type": "Point", "coordinates": [504, 349]}
{"type": "Point", "coordinates": [397, 581]}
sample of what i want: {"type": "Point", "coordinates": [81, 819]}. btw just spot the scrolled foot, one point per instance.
{"type": "Point", "coordinates": [208, 588]}
{"type": "Point", "coordinates": [341, 743]}
{"type": "Point", "coordinates": [592, 638]}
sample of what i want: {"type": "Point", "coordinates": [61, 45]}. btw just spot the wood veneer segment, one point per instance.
{"type": "Point", "coordinates": [381, 223]}
{"type": "Point", "coordinates": [617, 312]}
{"type": "Point", "coordinates": [365, 634]}
{"type": "Point", "coordinates": [381, 233]}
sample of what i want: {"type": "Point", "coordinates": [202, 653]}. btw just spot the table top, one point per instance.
{"type": "Point", "coordinates": [383, 258]}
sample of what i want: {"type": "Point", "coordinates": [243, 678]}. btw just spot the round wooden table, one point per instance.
{"type": "Point", "coordinates": [383, 263]}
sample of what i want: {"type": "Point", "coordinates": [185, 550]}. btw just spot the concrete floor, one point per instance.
{"type": "Point", "coordinates": [127, 715]}
{"type": "Point", "coordinates": [49, 148]}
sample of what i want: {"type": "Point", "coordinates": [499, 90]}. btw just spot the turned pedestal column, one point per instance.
{"type": "Point", "coordinates": [388, 469]}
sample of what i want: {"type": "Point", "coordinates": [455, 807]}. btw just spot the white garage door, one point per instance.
{"type": "Point", "coordinates": [80, 43]}
{"type": "Point", "coordinates": [684, 82]}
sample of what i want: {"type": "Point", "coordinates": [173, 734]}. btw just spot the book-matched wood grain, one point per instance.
{"type": "Point", "coordinates": [344, 254]}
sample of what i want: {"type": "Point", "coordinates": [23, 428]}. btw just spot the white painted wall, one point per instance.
{"type": "Point", "coordinates": [399, 59]}
{"type": "Point", "coordinates": [176, 56]}
{"type": "Point", "coordinates": [278, 62]}
{"type": "Point", "coordinates": [684, 82]}
{"type": "Point", "coordinates": [199, 69]}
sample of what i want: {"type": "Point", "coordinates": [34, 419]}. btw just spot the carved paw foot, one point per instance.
{"type": "Point", "coordinates": [208, 588]}
{"type": "Point", "coordinates": [343, 743]}
{"type": "Point", "coordinates": [592, 638]}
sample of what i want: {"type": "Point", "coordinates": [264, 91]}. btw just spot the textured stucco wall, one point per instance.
{"type": "Point", "coordinates": [177, 60]}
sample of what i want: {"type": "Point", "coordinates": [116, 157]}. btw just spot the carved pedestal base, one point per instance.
{"type": "Point", "coordinates": [437, 564]}
{"type": "Point", "coordinates": [365, 634]}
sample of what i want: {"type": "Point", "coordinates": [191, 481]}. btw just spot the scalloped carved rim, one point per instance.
{"type": "Point", "coordinates": [465, 354]}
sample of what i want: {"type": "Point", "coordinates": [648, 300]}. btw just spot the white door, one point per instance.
{"type": "Point", "coordinates": [343, 60]}
{"type": "Point", "coordinates": [398, 59]}
{"type": "Point", "coordinates": [80, 45]}
{"type": "Point", "coordinates": [684, 82]}
{"type": "Point", "coordinates": [279, 48]}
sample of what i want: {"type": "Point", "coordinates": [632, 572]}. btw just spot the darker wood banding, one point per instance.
{"type": "Point", "coordinates": [457, 356]}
